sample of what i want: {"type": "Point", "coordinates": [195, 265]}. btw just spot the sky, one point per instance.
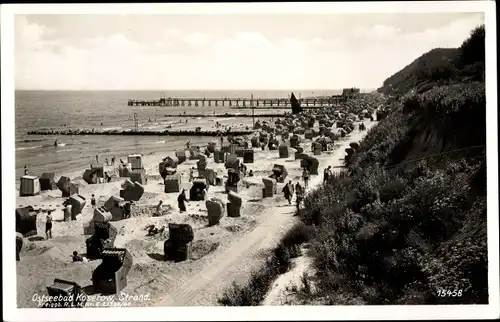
{"type": "Point", "coordinates": [226, 52]}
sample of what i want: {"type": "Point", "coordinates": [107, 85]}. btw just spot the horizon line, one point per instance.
{"type": "Point", "coordinates": [186, 90]}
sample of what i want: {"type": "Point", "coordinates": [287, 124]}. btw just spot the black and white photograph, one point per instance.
{"type": "Point", "coordinates": [250, 161]}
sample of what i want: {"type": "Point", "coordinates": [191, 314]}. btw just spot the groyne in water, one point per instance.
{"type": "Point", "coordinates": [141, 133]}
{"type": "Point", "coordinates": [225, 115]}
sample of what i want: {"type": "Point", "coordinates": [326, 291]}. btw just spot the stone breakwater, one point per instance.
{"type": "Point", "coordinates": [225, 115]}
{"type": "Point", "coordinates": [143, 133]}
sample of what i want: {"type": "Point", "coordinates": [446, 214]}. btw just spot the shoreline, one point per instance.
{"type": "Point", "coordinates": [143, 133]}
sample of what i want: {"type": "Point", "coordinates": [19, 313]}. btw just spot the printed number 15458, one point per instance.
{"type": "Point", "coordinates": [449, 293]}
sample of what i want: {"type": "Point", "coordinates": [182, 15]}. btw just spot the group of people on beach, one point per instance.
{"type": "Point", "coordinates": [289, 189]}
{"type": "Point", "coordinates": [106, 160]}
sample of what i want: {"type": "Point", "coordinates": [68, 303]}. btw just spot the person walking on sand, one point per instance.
{"type": "Point", "coordinates": [181, 200]}
{"type": "Point", "coordinates": [292, 190]}
{"type": "Point", "coordinates": [92, 201]}
{"type": "Point", "coordinates": [305, 177]}
{"type": "Point", "coordinates": [48, 225]}
{"type": "Point", "coordinates": [287, 193]}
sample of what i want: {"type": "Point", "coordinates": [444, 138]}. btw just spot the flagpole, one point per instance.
{"type": "Point", "coordinates": [253, 112]}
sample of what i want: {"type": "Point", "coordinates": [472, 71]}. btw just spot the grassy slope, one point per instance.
{"type": "Point", "coordinates": [392, 231]}
{"type": "Point", "coordinates": [405, 231]}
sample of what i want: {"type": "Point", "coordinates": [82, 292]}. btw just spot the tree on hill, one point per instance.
{"type": "Point", "coordinates": [442, 66]}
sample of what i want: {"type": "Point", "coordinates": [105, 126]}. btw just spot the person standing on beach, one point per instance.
{"type": "Point", "coordinates": [299, 192]}
{"type": "Point", "coordinates": [25, 170]}
{"type": "Point", "coordinates": [97, 158]}
{"type": "Point", "coordinates": [191, 174]}
{"type": "Point", "coordinates": [326, 174]}
{"type": "Point", "coordinates": [92, 201]}
{"type": "Point", "coordinates": [305, 176]}
{"type": "Point", "coordinates": [330, 174]}
{"type": "Point", "coordinates": [158, 208]}
{"type": "Point", "coordinates": [48, 225]}
{"type": "Point", "coordinates": [181, 201]}
{"type": "Point", "coordinates": [106, 160]}
{"type": "Point", "coordinates": [113, 159]}
{"type": "Point", "coordinates": [127, 210]}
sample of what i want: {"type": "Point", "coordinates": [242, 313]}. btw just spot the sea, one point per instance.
{"type": "Point", "coordinates": [106, 110]}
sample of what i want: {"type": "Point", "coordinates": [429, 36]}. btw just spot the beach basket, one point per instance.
{"type": "Point", "coordinates": [110, 277]}
{"type": "Point", "coordinates": [232, 162]}
{"type": "Point", "coordinates": [219, 156]}
{"type": "Point", "coordinates": [99, 169]}
{"type": "Point", "coordinates": [215, 210]}
{"type": "Point", "coordinates": [255, 142]}
{"type": "Point", "coordinates": [19, 245]}
{"type": "Point", "coordinates": [102, 215]}
{"type": "Point", "coordinates": [177, 251]}
{"type": "Point", "coordinates": [47, 181]}
{"type": "Point", "coordinates": [26, 221]}
{"type": "Point", "coordinates": [65, 294]}
{"type": "Point", "coordinates": [139, 176]}
{"type": "Point", "coordinates": [248, 156]}
{"type": "Point", "coordinates": [283, 151]}
{"type": "Point", "coordinates": [234, 204]}
{"type": "Point", "coordinates": [67, 187]}
{"type": "Point", "coordinates": [172, 183]}
{"type": "Point", "coordinates": [270, 187]}
{"type": "Point", "coordinates": [209, 174]}
{"type": "Point", "coordinates": [195, 193]}
{"type": "Point", "coordinates": [132, 192]}
{"type": "Point", "coordinates": [279, 173]}
{"type": "Point", "coordinates": [90, 176]}
{"type": "Point", "coordinates": [30, 186]}
{"type": "Point", "coordinates": [136, 161]}
{"type": "Point", "coordinates": [180, 233]}
{"type": "Point", "coordinates": [294, 141]}
{"type": "Point", "coordinates": [112, 202]}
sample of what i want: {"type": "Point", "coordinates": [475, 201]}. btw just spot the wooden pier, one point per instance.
{"type": "Point", "coordinates": [240, 102]}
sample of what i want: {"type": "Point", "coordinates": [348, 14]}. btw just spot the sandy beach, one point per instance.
{"type": "Point", "coordinates": [221, 254]}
